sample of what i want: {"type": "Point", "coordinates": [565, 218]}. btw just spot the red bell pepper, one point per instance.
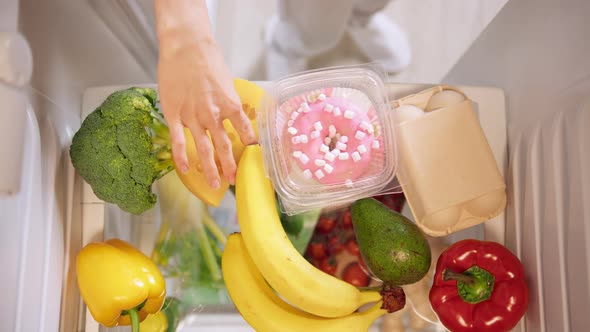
{"type": "Point", "coordinates": [479, 286]}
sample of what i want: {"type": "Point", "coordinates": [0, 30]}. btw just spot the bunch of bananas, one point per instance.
{"type": "Point", "coordinates": [271, 284]}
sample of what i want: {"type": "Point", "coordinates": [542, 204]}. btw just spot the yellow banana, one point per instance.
{"type": "Point", "coordinates": [267, 312]}
{"type": "Point", "coordinates": [285, 269]}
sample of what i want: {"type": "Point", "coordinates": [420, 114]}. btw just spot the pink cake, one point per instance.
{"type": "Point", "coordinates": [330, 138]}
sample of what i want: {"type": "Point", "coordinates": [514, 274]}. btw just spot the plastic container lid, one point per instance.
{"type": "Point", "coordinates": [328, 137]}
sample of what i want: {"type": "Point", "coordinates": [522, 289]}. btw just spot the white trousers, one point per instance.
{"type": "Point", "coordinates": [306, 28]}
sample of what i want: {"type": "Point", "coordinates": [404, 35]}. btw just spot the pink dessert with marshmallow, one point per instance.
{"type": "Point", "coordinates": [330, 138]}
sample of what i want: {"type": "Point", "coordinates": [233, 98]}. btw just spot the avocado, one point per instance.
{"type": "Point", "coordinates": [391, 245]}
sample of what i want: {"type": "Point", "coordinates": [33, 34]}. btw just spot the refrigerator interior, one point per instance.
{"type": "Point", "coordinates": [102, 221]}
{"type": "Point", "coordinates": [544, 157]}
{"type": "Point", "coordinates": [542, 65]}
{"type": "Point", "coordinates": [40, 229]}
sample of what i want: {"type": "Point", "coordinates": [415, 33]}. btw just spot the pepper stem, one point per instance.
{"type": "Point", "coordinates": [134, 315]}
{"type": "Point", "coordinates": [474, 285]}
{"type": "Point", "coordinates": [451, 275]}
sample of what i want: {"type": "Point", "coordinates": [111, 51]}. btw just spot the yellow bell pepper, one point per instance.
{"type": "Point", "coordinates": [119, 284]}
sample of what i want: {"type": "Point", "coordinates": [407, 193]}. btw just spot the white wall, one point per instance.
{"type": "Point", "coordinates": [534, 49]}
{"type": "Point", "coordinates": [72, 50]}
{"type": "Point", "coordinates": [538, 52]}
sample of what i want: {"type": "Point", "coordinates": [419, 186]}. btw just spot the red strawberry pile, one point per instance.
{"type": "Point", "coordinates": [333, 247]}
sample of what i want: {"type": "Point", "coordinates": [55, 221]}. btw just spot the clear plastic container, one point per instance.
{"type": "Point", "coordinates": [328, 137]}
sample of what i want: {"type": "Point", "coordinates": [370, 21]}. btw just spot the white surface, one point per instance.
{"type": "Point", "coordinates": [534, 50]}
{"type": "Point", "coordinates": [32, 242]}
{"type": "Point", "coordinates": [31, 237]}
{"type": "Point", "coordinates": [8, 15]}
{"type": "Point", "coordinates": [231, 323]}
{"type": "Point", "coordinates": [13, 118]}
{"type": "Point", "coordinates": [542, 62]}
{"type": "Point", "coordinates": [15, 73]}
{"type": "Point", "coordinates": [489, 103]}
{"type": "Point", "coordinates": [133, 23]}
{"type": "Point", "coordinates": [550, 213]}
{"type": "Point", "coordinates": [439, 33]}
{"type": "Point", "coordinates": [16, 62]}
{"type": "Point", "coordinates": [72, 49]}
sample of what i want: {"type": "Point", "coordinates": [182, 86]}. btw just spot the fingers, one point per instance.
{"type": "Point", "coordinates": [233, 112]}
{"type": "Point", "coordinates": [205, 152]}
{"type": "Point", "coordinates": [178, 145]}
{"type": "Point", "coordinates": [210, 117]}
{"type": "Point", "coordinates": [223, 147]}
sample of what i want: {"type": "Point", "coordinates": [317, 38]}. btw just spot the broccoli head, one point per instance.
{"type": "Point", "coordinates": [122, 147]}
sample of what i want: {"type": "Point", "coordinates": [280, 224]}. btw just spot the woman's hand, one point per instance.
{"type": "Point", "coordinates": [196, 89]}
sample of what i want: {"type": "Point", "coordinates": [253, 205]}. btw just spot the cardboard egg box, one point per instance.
{"type": "Point", "coordinates": [446, 167]}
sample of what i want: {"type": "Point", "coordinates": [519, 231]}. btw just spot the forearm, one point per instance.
{"type": "Point", "coordinates": [196, 90]}
{"type": "Point", "coordinates": [182, 24]}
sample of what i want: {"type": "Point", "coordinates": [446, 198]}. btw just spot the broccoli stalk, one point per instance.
{"type": "Point", "coordinates": [122, 147]}
{"type": "Point", "coordinates": [161, 146]}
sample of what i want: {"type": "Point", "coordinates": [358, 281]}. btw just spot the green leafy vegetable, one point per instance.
{"type": "Point", "coordinates": [189, 245]}
{"type": "Point", "coordinates": [172, 310]}
{"type": "Point", "coordinates": [122, 147]}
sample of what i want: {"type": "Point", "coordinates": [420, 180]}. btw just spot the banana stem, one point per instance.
{"type": "Point", "coordinates": [369, 296]}
{"type": "Point", "coordinates": [371, 314]}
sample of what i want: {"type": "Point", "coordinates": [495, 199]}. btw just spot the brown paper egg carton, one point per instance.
{"type": "Point", "coordinates": [446, 167]}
